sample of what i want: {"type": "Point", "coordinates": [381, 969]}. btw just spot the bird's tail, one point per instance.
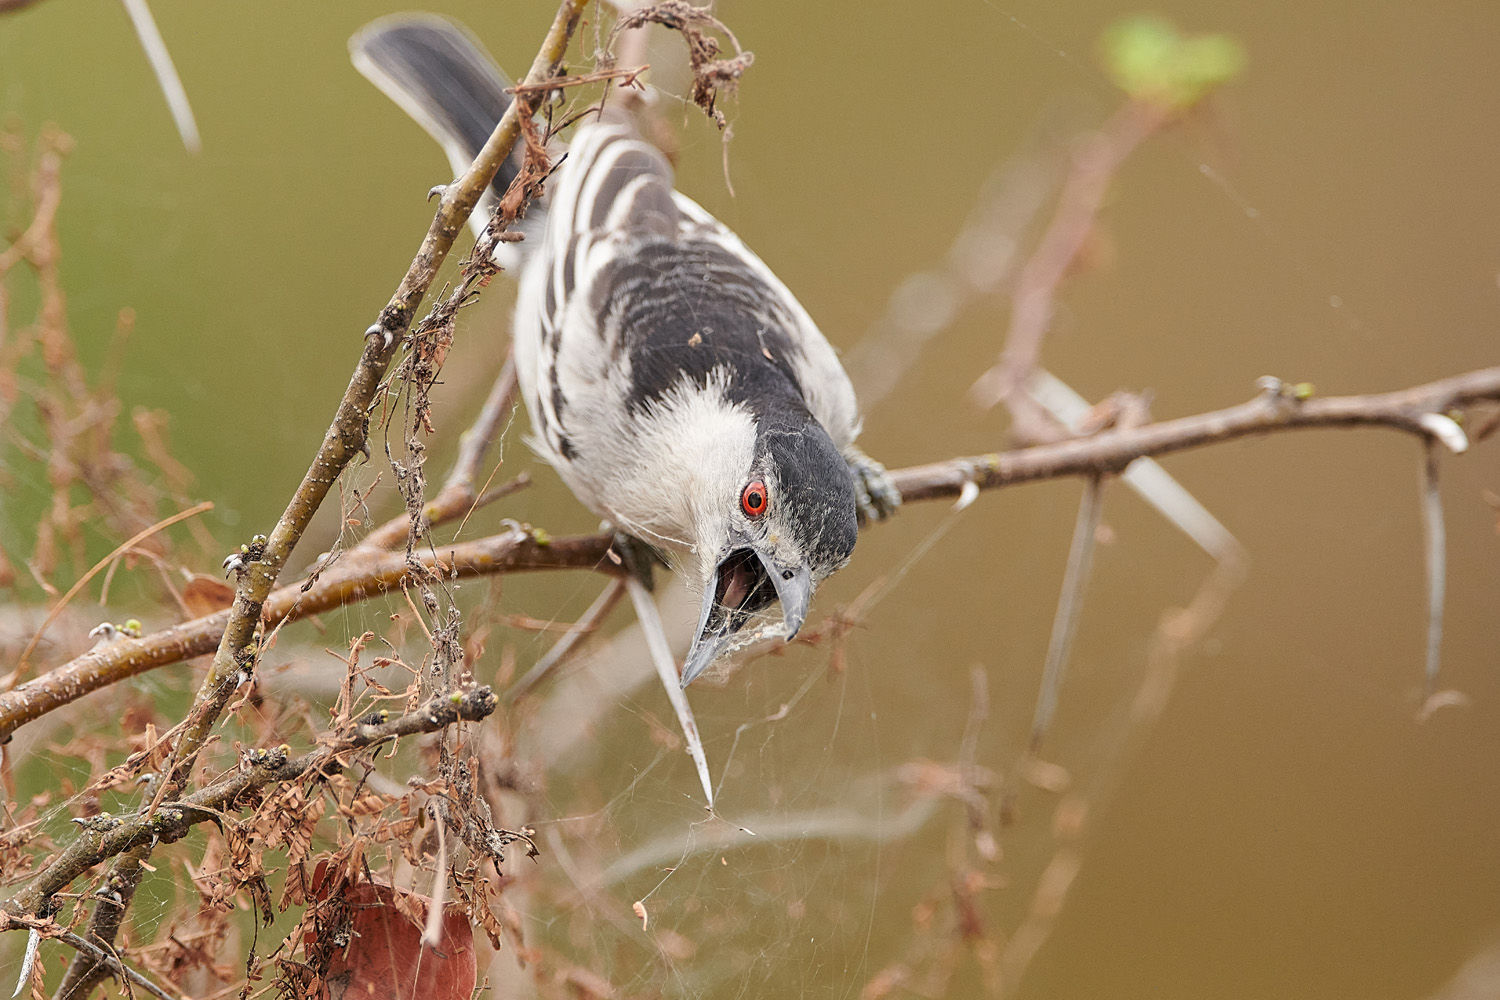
{"type": "Point", "coordinates": [443, 78]}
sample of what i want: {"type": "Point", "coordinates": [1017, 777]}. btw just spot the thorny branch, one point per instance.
{"type": "Point", "coordinates": [1111, 451]}
{"type": "Point", "coordinates": [1104, 453]}
{"type": "Point", "coordinates": [348, 434]}
{"type": "Point", "coordinates": [105, 837]}
{"type": "Point", "coordinates": [47, 928]}
{"type": "Point", "coordinates": [234, 660]}
{"type": "Point", "coordinates": [1095, 163]}
{"type": "Point", "coordinates": [348, 581]}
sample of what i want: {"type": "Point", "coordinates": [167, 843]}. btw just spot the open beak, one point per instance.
{"type": "Point", "coordinates": [746, 581]}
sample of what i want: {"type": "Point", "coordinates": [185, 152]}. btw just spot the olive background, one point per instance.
{"type": "Point", "coordinates": [1288, 828]}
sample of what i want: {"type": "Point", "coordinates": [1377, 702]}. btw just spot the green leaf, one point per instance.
{"type": "Point", "coordinates": [1151, 60]}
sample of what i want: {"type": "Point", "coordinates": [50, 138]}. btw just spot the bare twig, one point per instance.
{"type": "Point", "coordinates": [968, 747]}
{"type": "Point", "coordinates": [1095, 163]}
{"type": "Point", "coordinates": [981, 261]}
{"type": "Point", "coordinates": [486, 429]}
{"type": "Point", "coordinates": [39, 232]}
{"type": "Point", "coordinates": [344, 583]}
{"type": "Point", "coordinates": [1178, 631]}
{"type": "Point", "coordinates": [345, 438]}
{"type": "Point", "coordinates": [1046, 905]}
{"type": "Point", "coordinates": [1144, 476]}
{"type": "Point", "coordinates": [452, 503]}
{"type": "Point", "coordinates": [627, 78]}
{"type": "Point", "coordinates": [348, 434]}
{"type": "Point", "coordinates": [90, 967]}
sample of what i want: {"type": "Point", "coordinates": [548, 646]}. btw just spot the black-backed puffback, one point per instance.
{"type": "Point", "coordinates": [675, 384]}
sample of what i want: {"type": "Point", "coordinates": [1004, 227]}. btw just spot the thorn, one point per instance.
{"type": "Point", "coordinates": [33, 942]}
{"type": "Point", "coordinates": [966, 496]}
{"type": "Point", "coordinates": [1445, 431]}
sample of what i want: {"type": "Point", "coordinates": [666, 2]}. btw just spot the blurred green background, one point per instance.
{"type": "Point", "coordinates": [1287, 829]}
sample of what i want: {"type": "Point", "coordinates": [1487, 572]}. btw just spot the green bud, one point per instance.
{"type": "Point", "coordinates": [1149, 59]}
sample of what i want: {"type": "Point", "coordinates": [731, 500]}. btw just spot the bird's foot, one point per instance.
{"type": "Point", "coordinates": [875, 494]}
{"type": "Point", "coordinates": [638, 558]}
{"type": "Point", "coordinates": [378, 331]}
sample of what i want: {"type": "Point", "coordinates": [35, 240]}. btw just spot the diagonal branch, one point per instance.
{"type": "Point", "coordinates": [1095, 164]}
{"type": "Point", "coordinates": [348, 435]}
{"type": "Point", "coordinates": [459, 496]}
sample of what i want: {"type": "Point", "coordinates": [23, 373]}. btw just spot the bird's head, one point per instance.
{"type": "Point", "coordinates": [769, 532]}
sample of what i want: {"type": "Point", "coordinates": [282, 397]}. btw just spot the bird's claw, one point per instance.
{"type": "Point", "coordinates": [240, 559]}
{"type": "Point", "coordinates": [875, 494]}
{"type": "Point", "coordinates": [109, 632]}
{"type": "Point", "coordinates": [378, 331]}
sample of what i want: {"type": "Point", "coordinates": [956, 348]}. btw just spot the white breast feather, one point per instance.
{"type": "Point", "coordinates": [709, 440]}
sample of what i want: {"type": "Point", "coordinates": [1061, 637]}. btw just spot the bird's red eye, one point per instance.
{"type": "Point", "coordinates": [755, 500]}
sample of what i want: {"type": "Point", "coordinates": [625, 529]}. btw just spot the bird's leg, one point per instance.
{"type": "Point", "coordinates": [877, 496]}
{"type": "Point", "coordinates": [638, 558]}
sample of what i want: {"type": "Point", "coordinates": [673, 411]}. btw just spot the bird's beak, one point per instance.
{"type": "Point", "coordinates": [794, 590]}
{"type": "Point", "coordinates": [743, 583]}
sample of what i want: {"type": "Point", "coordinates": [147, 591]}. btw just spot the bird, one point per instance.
{"type": "Point", "coordinates": [675, 384]}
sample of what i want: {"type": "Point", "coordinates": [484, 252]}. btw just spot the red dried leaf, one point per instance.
{"type": "Point", "coordinates": [385, 959]}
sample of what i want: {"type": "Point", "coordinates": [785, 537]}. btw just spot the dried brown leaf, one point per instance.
{"type": "Point", "coordinates": [204, 595]}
